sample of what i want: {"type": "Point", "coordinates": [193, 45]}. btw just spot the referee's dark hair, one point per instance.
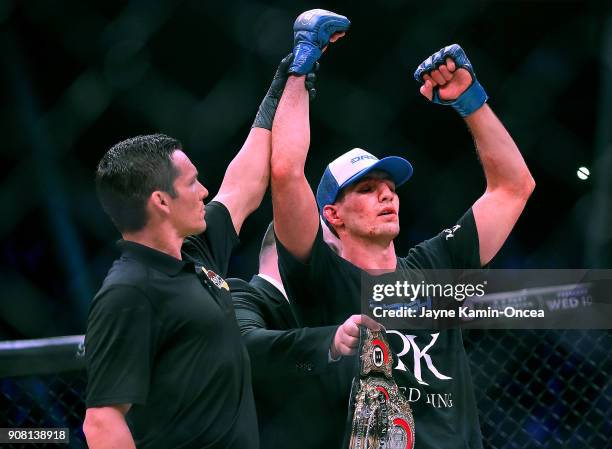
{"type": "Point", "coordinates": [129, 172]}
{"type": "Point", "coordinates": [267, 243]}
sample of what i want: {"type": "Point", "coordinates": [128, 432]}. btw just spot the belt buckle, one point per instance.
{"type": "Point", "coordinates": [382, 416]}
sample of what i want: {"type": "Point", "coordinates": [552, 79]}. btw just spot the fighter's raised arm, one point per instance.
{"type": "Point", "coordinates": [296, 219]}
{"type": "Point", "coordinates": [448, 78]}
{"type": "Point", "coordinates": [247, 176]}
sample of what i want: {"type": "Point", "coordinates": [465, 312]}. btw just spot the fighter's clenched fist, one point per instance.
{"type": "Point", "coordinates": [313, 31]}
{"type": "Point", "coordinates": [447, 77]}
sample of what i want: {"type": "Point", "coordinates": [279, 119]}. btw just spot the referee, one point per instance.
{"type": "Point", "coordinates": [165, 362]}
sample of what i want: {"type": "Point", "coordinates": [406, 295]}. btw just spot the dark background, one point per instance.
{"type": "Point", "coordinates": [78, 77]}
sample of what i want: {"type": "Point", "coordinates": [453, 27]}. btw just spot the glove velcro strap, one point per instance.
{"type": "Point", "coordinates": [305, 56]}
{"type": "Point", "coordinates": [470, 100]}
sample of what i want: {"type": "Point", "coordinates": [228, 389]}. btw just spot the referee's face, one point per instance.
{"type": "Point", "coordinates": [187, 207]}
{"type": "Point", "coordinates": [369, 208]}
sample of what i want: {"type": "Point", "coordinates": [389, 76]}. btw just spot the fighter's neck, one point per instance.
{"type": "Point", "coordinates": [369, 255]}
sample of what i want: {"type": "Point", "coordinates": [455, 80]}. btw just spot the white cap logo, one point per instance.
{"type": "Point", "coordinates": [350, 163]}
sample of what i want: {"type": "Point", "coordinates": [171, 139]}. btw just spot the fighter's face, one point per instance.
{"type": "Point", "coordinates": [370, 207]}
{"type": "Point", "coordinates": [187, 208]}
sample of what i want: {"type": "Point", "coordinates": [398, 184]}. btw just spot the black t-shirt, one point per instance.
{"type": "Point", "coordinates": [432, 367]}
{"type": "Point", "coordinates": [162, 336]}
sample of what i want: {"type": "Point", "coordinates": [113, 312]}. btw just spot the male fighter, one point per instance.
{"type": "Point", "coordinates": [299, 402]}
{"type": "Point", "coordinates": [357, 198]}
{"type": "Point", "coordinates": [166, 364]}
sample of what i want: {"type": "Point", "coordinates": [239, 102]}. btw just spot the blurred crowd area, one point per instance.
{"type": "Point", "coordinates": [78, 77]}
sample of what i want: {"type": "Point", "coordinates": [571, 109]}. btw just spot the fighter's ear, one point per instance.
{"type": "Point", "coordinates": [330, 213]}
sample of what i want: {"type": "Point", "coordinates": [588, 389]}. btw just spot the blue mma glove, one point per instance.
{"type": "Point", "coordinates": [311, 32]}
{"type": "Point", "coordinates": [472, 98]}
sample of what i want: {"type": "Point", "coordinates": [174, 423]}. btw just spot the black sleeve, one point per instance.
{"type": "Point", "coordinates": [456, 247]}
{"type": "Point", "coordinates": [119, 347]}
{"type": "Point", "coordinates": [218, 240]}
{"type": "Point", "coordinates": [278, 353]}
{"type": "Point", "coordinates": [295, 274]}
{"type": "Point", "coordinates": [312, 284]}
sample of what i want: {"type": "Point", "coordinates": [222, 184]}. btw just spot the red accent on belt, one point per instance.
{"type": "Point", "coordinates": [381, 345]}
{"type": "Point", "coordinates": [404, 425]}
{"type": "Point", "coordinates": [384, 390]}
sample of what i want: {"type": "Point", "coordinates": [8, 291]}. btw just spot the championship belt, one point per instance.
{"type": "Point", "coordinates": [382, 417]}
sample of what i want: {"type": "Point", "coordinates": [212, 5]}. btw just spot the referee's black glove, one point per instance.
{"type": "Point", "coordinates": [267, 108]}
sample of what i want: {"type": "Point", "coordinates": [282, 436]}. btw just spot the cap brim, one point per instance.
{"type": "Point", "coordinates": [398, 168]}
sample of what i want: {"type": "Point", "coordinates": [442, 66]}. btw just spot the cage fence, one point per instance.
{"type": "Point", "coordinates": [547, 389]}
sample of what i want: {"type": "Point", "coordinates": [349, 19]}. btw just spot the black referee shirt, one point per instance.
{"type": "Point", "coordinates": [162, 335]}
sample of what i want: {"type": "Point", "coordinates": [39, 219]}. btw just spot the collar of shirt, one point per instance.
{"type": "Point", "coordinates": [275, 283]}
{"type": "Point", "coordinates": [152, 257]}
